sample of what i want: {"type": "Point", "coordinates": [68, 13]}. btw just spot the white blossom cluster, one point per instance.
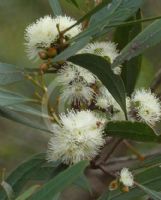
{"type": "Point", "coordinates": [44, 33]}
{"type": "Point", "coordinates": [79, 135]}
{"type": "Point", "coordinates": [126, 177]}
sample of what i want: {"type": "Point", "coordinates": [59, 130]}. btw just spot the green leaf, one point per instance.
{"type": "Point", "coordinates": [102, 69]}
{"type": "Point", "coordinates": [19, 176]}
{"type": "Point", "coordinates": [8, 98]}
{"type": "Point", "coordinates": [92, 12]}
{"type": "Point", "coordinates": [28, 193]}
{"type": "Point", "coordinates": [32, 169]}
{"type": "Point", "coordinates": [131, 69]}
{"type": "Point", "coordinates": [132, 130]}
{"type": "Point", "coordinates": [20, 118]}
{"type": "Point", "coordinates": [74, 2]}
{"type": "Point", "coordinates": [149, 37]}
{"type": "Point", "coordinates": [71, 50]}
{"type": "Point", "coordinates": [60, 182]}
{"type": "Point", "coordinates": [106, 14]}
{"type": "Point", "coordinates": [55, 5]}
{"type": "Point", "coordinates": [10, 74]}
{"type": "Point", "coordinates": [105, 196]}
{"type": "Point", "coordinates": [112, 14]}
{"type": "Point", "coordinates": [151, 193]}
{"type": "Point", "coordinates": [83, 183]}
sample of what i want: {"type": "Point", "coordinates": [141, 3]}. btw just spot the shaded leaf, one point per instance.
{"type": "Point", "coordinates": [10, 74]}
{"type": "Point", "coordinates": [105, 196]}
{"type": "Point", "coordinates": [20, 118]}
{"type": "Point", "coordinates": [74, 2]}
{"type": "Point", "coordinates": [131, 69]}
{"type": "Point", "coordinates": [83, 183]}
{"type": "Point", "coordinates": [28, 193]}
{"type": "Point", "coordinates": [8, 98]}
{"type": "Point", "coordinates": [112, 14]}
{"type": "Point", "coordinates": [31, 169]}
{"type": "Point", "coordinates": [102, 69]}
{"type": "Point", "coordinates": [151, 193]}
{"type": "Point", "coordinates": [149, 37]}
{"type": "Point", "coordinates": [60, 182]}
{"type": "Point", "coordinates": [55, 5]}
{"type": "Point", "coordinates": [132, 130]}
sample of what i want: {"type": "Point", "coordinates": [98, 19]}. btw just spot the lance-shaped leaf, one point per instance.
{"type": "Point", "coordinates": [33, 169]}
{"type": "Point", "coordinates": [56, 7]}
{"type": "Point", "coordinates": [9, 98]}
{"type": "Point", "coordinates": [102, 69]}
{"type": "Point", "coordinates": [112, 14]}
{"type": "Point", "coordinates": [60, 182]}
{"type": "Point", "coordinates": [151, 193]}
{"type": "Point", "coordinates": [105, 15]}
{"type": "Point", "coordinates": [149, 37]}
{"type": "Point", "coordinates": [131, 69]}
{"type": "Point", "coordinates": [74, 2]}
{"type": "Point", "coordinates": [10, 74]}
{"type": "Point", "coordinates": [20, 118]}
{"type": "Point", "coordinates": [28, 193]}
{"type": "Point", "coordinates": [132, 130]}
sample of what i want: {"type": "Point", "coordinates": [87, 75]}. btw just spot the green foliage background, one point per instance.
{"type": "Point", "coordinates": [18, 142]}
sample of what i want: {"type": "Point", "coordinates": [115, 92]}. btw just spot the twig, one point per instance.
{"type": "Point", "coordinates": [134, 151]}
{"type": "Point", "coordinates": [106, 154]}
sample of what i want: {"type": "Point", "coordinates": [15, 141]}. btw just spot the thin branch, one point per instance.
{"type": "Point", "coordinates": [106, 154]}
{"type": "Point", "coordinates": [134, 150]}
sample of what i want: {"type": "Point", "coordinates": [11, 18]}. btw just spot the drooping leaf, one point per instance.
{"type": "Point", "coordinates": [149, 37]}
{"type": "Point", "coordinates": [93, 11]}
{"type": "Point", "coordinates": [102, 69]}
{"type": "Point", "coordinates": [56, 7]}
{"type": "Point", "coordinates": [83, 183]}
{"type": "Point", "coordinates": [74, 2]}
{"type": "Point", "coordinates": [28, 193]}
{"type": "Point", "coordinates": [151, 193]}
{"type": "Point", "coordinates": [112, 14]}
{"type": "Point", "coordinates": [131, 69]}
{"type": "Point", "coordinates": [132, 130]}
{"type": "Point", "coordinates": [20, 118]}
{"type": "Point", "coordinates": [32, 169]}
{"type": "Point", "coordinates": [107, 15]}
{"type": "Point", "coordinates": [104, 196]}
{"type": "Point", "coordinates": [8, 98]}
{"type": "Point", "coordinates": [60, 182]}
{"type": "Point", "coordinates": [10, 74]}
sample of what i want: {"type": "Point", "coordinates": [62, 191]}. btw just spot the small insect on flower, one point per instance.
{"type": "Point", "coordinates": [126, 178]}
{"type": "Point", "coordinates": [43, 34]}
{"type": "Point", "coordinates": [79, 138]}
{"type": "Point", "coordinates": [107, 50]}
{"type": "Point", "coordinates": [145, 107]}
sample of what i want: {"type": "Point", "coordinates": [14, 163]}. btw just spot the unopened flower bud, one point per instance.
{"type": "Point", "coordinates": [113, 185]}
{"type": "Point", "coordinates": [43, 55]}
{"type": "Point", "coordinates": [44, 67]}
{"type": "Point", "coordinates": [125, 189]}
{"type": "Point", "coordinates": [51, 52]}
